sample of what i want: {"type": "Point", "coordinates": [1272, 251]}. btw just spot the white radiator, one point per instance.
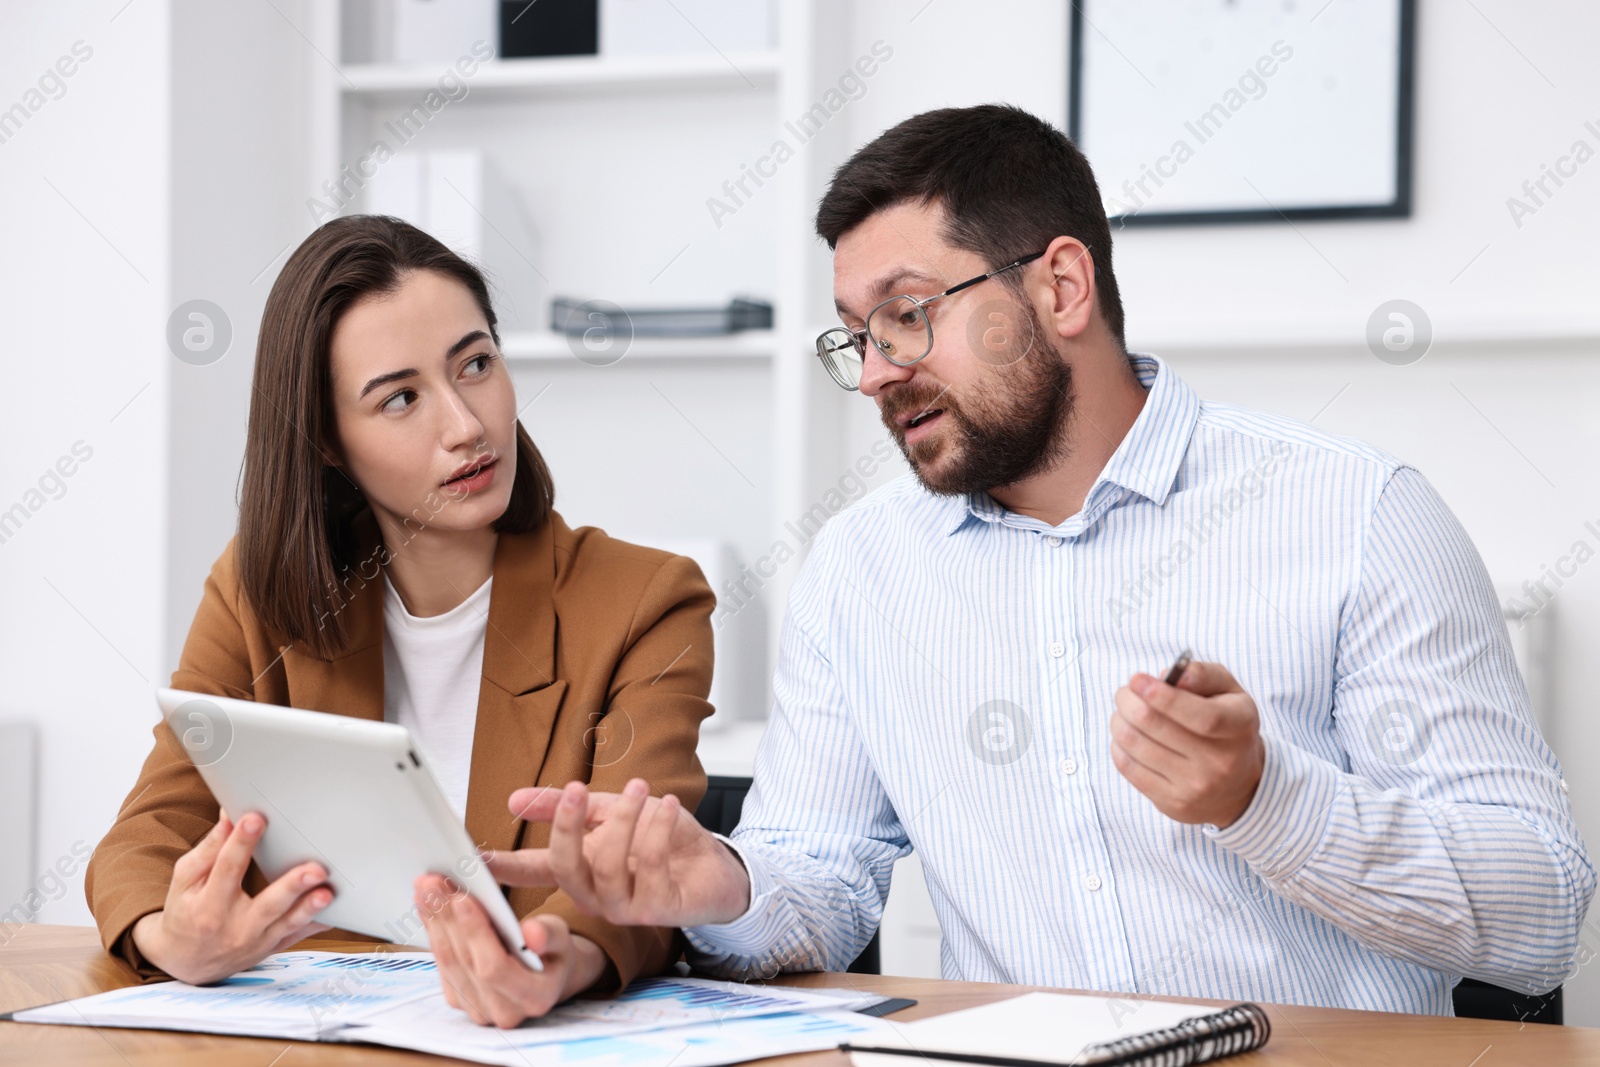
{"type": "Point", "coordinates": [18, 817]}
{"type": "Point", "coordinates": [1533, 641]}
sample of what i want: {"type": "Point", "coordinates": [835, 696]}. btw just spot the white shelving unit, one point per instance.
{"type": "Point", "coordinates": [718, 437]}
{"type": "Point", "coordinates": [579, 74]}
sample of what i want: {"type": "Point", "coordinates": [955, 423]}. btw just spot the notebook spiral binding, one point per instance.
{"type": "Point", "coordinates": [1224, 1033]}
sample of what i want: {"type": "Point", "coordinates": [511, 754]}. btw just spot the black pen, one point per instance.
{"type": "Point", "coordinates": [956, 1057]}
{"type": "Point", "coordinates": [1179, 666]}
{"type": "Point", "coordinates": [1089, 1057]}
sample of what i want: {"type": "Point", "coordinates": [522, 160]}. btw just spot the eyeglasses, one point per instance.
{"type": "Point", "coordinates": [898, 329]}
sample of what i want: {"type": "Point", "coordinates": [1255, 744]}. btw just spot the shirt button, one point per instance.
{"type": "Point", "coordinates": [1053, 541]}
{"type": "Point", "coordinates": [1057, 649]}
{"type": "Point", "coordinates": [1092, 883]}
{"type": "Point", "coordinates": [1564, 788]}
{"type": "Point", "coordinates": [1069, 766]}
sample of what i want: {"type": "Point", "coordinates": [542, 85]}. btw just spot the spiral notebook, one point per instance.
{"type": "Point", "coordinates": [1062, 1028]}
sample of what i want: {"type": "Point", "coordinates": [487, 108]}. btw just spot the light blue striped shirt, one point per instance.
{"type": "Point", "coordinates": [945, 683]}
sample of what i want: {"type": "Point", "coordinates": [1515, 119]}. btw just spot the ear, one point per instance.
{"type": "Point", "coordinates": [331, 454]}
{"type": "Point", "coordinates": [1070, 302]}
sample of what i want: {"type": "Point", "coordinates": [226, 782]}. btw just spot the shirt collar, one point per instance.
{"type": "Point", "coordinates": [1146, 461]}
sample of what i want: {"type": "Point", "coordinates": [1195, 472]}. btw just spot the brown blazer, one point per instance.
{"type": "Point", "coordinates": [596, 667]}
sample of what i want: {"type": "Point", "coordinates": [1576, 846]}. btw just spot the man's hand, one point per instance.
{"type": "Point", "coordinates": [644, 861]}
{"type": "Point", "coordinates": [1195, 748]}
{"type": "Point", "coordinates": [481, 976]}
{"type": "Point", "coordinates": [209, 927]}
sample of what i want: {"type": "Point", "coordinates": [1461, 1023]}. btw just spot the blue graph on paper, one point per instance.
{"type": "Point", "coordinates": [740, 1039]}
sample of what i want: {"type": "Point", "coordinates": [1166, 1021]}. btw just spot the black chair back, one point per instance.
{"type": "Point", "coordinates": [1480, 1000]}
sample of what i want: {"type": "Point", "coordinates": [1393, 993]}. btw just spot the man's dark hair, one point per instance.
{"type": "Point", "coordinates": [1010, 183]}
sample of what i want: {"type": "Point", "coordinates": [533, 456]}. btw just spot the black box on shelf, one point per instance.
{"type": "Point", "coordinates": [549, 28]}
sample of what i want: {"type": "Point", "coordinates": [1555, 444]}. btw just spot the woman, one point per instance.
{"type": "Point", "coordinates": [398, 558]}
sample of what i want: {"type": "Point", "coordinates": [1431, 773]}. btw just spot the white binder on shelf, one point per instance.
{"type": "Point", "coordinates": [459, 197]}
{"type": "Point", "coordinates": [417, 31]}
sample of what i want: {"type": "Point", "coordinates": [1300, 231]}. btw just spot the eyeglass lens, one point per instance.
{"type": "Point", "coordinates": [899, 330]}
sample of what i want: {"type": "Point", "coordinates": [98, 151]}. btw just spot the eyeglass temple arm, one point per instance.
{"type": "Point", "coordinates": [985, 277]}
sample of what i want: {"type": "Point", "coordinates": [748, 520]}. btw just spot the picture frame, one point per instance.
{"type": "Point", "coordinates": [1200, 112]}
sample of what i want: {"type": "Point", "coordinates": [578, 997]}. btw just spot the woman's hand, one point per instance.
{"type": "Point", "coordinates": [210, 927]}
{"type": "Point", "coordinates": [482, 977]}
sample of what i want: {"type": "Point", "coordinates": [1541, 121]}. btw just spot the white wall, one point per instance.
{"type": "Point", "coordinates": [84, 280]}
{"type": "Point", "coordinates": [170, 169]}
{"type": "Point", "coordinates": [238, 189]}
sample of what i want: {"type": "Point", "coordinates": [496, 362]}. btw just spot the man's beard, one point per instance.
{"type": "Point", "coordinates": [1009, 429]}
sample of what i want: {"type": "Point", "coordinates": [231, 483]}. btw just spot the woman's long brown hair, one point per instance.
{"type": "Point", "coordinates": [297, 545]}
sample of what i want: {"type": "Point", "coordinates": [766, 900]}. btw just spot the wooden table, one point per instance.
{"type": "Point", "coordinates": [42, 964]}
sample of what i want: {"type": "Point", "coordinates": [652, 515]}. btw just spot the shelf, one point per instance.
{"type": "Point", "coordinates": [555, 75]}
{"type": "Point", "coordinates": [1463, 336]}
{"type": "Point", "coordinates": [547, 346]}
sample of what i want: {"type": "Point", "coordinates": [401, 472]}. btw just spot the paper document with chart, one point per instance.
{"type": "Point", "coordinates": [394, 999]}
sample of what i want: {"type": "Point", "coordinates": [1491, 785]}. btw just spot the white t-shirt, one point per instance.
{"type": "Point", "coordinates": [432, 669]}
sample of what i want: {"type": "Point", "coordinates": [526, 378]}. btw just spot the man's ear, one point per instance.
{"type": "Point", "coordinates": [1072, 285]}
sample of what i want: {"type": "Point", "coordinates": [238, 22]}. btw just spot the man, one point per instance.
{"type": "Point", "coordinates": [1344, 799]}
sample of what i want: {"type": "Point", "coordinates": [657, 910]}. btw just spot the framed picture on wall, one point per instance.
{"type": "Point", "coordinates": [1215, 111]}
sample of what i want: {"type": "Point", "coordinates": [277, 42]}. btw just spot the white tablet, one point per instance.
{"type": "Point", "coordinates": [352, 794]}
